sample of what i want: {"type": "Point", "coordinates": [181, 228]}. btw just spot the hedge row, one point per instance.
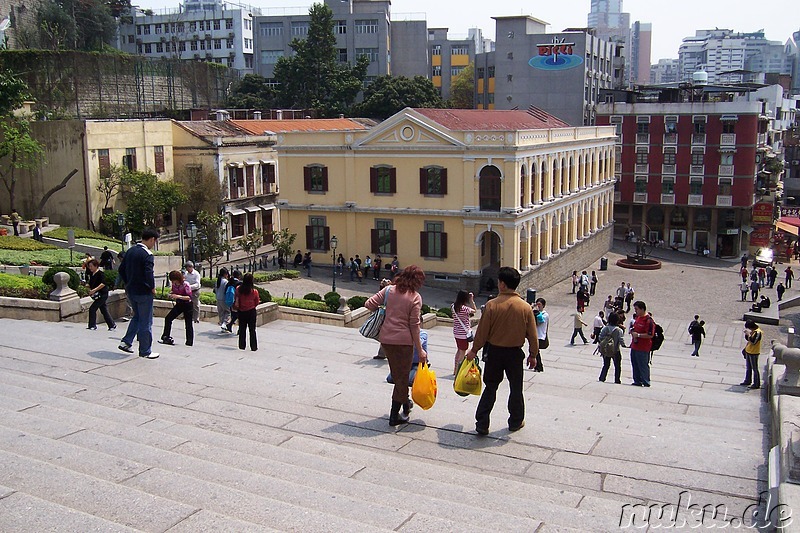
{"type": "Point", "coordinates": [23, 287]}
{"type": "Point", "coordinates": [10, 242]}
{"type": "Point", "coordinates": [80, 233]}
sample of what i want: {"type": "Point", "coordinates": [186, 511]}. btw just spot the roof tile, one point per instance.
{"type": "Point", "coordinates": [258, 127]}
{"type": "Point", "coordinates": [492, 120]}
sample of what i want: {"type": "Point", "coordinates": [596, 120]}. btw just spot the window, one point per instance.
{"type": "Point", "coordinates": [138, 30]}
{"type": "Point", "coordinates": [725, 186]}
{"type": "Point", "coordinates": [671, 124]}
{"type": "Point", "coordinates": [436, 71]}
{"type": "Point", "coordinates": [317, 234]}
{"type": "Point", "coordinates": [248, 61]}
{"type": "Point", "coordinates": [217, 25]}
{"type": "Point", "coordinates": [158, 28]}
{"type": "Point", "coordinates": [699, 124]}
{"type": "Point", "coordinates": [384, 239]}
{"type": "Point", "coordinates": [383, 180]}
{"type": "Point", "coordinates": [237, 226]}
{"type": "Point", "coordinates": [367, 26]}
{"type": "Point", "coordinates": [433, 181]}
{"type": "Point", "coordinates": [300, 29]}
{"type": "Point", "coordinates": [315, 178]}
{"type": "Point", "coordinates": [193, 45]}
{"type": "Point", "coordinates": [248, 24]}
{"type": "Point", "coordinates": [217, 44]}
{"type": "Point", "coordinates": [480, 72]}
{"type": "Point", "coordinates": [129, 159]}
{"type": "Point", "coordinates": [341, 27]}
{"type": "Point", "coordinates": [267, 177]}
{"type": "Point", "coordinates": [728, 126]}
{"type": "Point", "coordinates": [236, 179]}
{"type": "Point", "coordinates": [192, 26]}
{"type": "Point", "coordinates": [668, 186]}
{"type": "Point", "coordinates": [229, 61]}
{"type": "Point", "coordinates": [159, 48]}
{"type": "Point", "coordinates": [229, 43]}
{"type": "Point", "coordinates": [343, 55]}
{"type": "Point", "coordinates": [433, 241]}
{"type": "Point", "coordinates": [455, 71]}
{"type": "Point", "coordinates": [617, 123]}
{"type": "Point", "coordinates": [642, 127]}
{"type": "Point", "coordinates": [370, 53]}
{"type": "Point", "coordinates": [490, 71]}
{"type": "Point", "coordinates": [489, 188]}
{"type": "Point", "coordinates": [641, 155]}
{"type": "Point", "coordinates": [669, 156]}
{"type": "Point", "coordinates": [104, 162]}
{"type": "Point", "coordinates": [695, 185]}
{"type": "Point", "coordinates": [270, 57]}
{"type": "Point", "coordinates": [248, 43]}
{"type": "Point", "coordinates": [640, 184]}
{"type": "Point", "coordinates": [131, 39]}
{"type": "Point", "coordinates": [697, 156]}
{"type": "Point", "coordinates": [267, 226]}
{"type": "Point", "coordinates": [726, 158]}
{"type": "Point", "coordinates": [271, 29]}
{"type": "Point", "coordinates": [148, 48]}
{"type": "Point", "coordinates": [228, 24]}
{"type": "Point", "coordinates": [436, 50]}
{"type": "Point", "coordinates": [203, 45]}
{"type": "Point", "coordinates": [460, 50]}
{"type": "Point", "coordinates": [159, 158]}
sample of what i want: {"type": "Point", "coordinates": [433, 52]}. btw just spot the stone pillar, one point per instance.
{"type": "Point", "coordinates": [69, 301]}
{"type": "Point", "coordinates": [557, 178]}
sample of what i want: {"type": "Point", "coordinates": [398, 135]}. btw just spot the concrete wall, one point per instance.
{"type": "Point", "coordinates": [409, 48]}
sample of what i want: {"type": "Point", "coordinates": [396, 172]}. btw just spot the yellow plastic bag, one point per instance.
{"type": "Point", "coordinates": [468, 380]}
{"type": "Point", "coordinates": [424, 390]}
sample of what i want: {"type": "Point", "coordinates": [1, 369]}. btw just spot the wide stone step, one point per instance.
{"type": "Point", "coordinates": [16, 515]}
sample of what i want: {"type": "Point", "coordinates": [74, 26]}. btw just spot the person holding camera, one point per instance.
{"type": "Point", "coordinates": [463, 308]}
{"type": "Point", "coordinates": [99, 294]}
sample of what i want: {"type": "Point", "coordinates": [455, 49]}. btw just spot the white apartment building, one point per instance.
{"type": "Point", "coordinates": [199, 30]}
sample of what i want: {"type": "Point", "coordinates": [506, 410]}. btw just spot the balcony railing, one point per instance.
{"type": "Point", "coordinates": [667, 169]}
{"type": "Point", "coordinates": [667, 198]}
{"type": "Point", "coordinates": [617, 196]}
{"type": "Point", "coordinates": [726, 170]}
{"type": "Point", "coordinates": [642, 138]}
{"type": "Point", "coordinates": [640, 197]}
{"type": "Point", "coordinates": [695, 199]}
{"type": "Point", "coordinates": [642, 169]}
{"type": "Point", "coordinates": [670, 138]}
{"type": "Point", "coordinates": [698, 138]}
{"type": "Point", "coordinates": [728, 139]}
{"type": "Point", "coordinates": [762, 138]}
{"type": "Point", "coordinates": [724, 200]}
{"type": "Point", "coordinates": [696, 170]}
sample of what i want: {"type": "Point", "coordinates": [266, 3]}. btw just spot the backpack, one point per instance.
{"type": "Point", "coordinates": [230, 295]}
{"type": "Point", "coordinates": [658, 338]}
{"type": "Point", "coordinates": [606, 345]}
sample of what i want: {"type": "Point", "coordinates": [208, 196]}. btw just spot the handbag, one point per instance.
{"type": "Point", "coordinates": [371, 329]}
{"type": "Point", "coordinates": [471, 334]}
{"type": "Point", "coordinates": [544, 343]}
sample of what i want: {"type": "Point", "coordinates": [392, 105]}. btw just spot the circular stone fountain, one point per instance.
{"type": "Point", "coordinates": [639, 263]}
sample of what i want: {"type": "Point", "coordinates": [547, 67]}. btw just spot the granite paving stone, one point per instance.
{"type": "Point", "coordinates": [16, 515]}
{"type": "Point", "coordinates": [204, 521]}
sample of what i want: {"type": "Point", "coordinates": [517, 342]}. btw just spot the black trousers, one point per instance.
{"type": "Point", "coordinates": [501, 361]}
{"type": "Point", "coordinates": [247, 321]}
{"type": "Point", "coordinates": [751, 369]}
{"type": "Point", "coordinates": [617, 367]}
{"type": "Point", "coordinates": [100, 303]}
{"type": "Point", "coordinates": [184, 307]}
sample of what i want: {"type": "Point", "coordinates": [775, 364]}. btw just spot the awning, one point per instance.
{"type": "Point", "coordinates": [267, 207]}
{"type": "Point", "coordinates": [235, 165]}
{"type": "Point", "coordinates": [236, 211]}
{"type": "Point", "coordinates": [789, 225]}
{"type": "Point", "coordinates": [252, 208]}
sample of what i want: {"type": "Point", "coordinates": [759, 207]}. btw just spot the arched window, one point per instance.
{"type": "Point", "coordinates": [490, 188]}
{"type": "Point", "coordinates": [522, 186]}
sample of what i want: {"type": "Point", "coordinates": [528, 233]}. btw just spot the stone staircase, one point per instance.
{"type": "Point", "coordinates": [294, 437]}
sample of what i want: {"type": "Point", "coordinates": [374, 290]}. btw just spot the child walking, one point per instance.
{"type": "Point", "coordinates": [181, 293]}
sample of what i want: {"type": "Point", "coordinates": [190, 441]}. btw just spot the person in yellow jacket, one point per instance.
{"type": "Point", "coordinates": [752, 350]}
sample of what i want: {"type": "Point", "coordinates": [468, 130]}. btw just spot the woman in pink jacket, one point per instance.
{"type": "Point", "coordinates": [400, 334]}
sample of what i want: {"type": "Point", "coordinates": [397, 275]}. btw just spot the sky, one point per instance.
{"type": "Point", "coordinates": [672, 20]}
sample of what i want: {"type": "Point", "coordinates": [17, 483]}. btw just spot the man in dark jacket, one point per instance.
{"type": "Point", "coordinates": [140, 286]}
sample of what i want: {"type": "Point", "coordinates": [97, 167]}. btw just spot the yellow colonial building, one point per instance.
{"type": "Point", "coordinates": [457, 192]}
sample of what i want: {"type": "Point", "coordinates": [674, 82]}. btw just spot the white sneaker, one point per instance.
{"type": "Point", "coordinates": [151, 355]}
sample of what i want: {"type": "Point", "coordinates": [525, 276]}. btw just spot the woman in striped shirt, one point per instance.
{"type": "Point", "coordinates": [463, 308]}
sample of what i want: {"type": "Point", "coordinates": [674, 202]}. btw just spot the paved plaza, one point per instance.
{"type": "Point", "coordinates": [295, 437]}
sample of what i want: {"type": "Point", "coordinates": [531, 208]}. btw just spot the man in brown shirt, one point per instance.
{"type": "Point", "coordinates": [505, 324]}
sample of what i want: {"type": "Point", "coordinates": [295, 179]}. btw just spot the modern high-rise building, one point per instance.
{"type": "Point", "coordinates": [561, 73]}
{"type": "Point", "coordinates": [449, 57]}
{"type": "Point", "coordinates": [207, 30]}
{"type": "Point", "coordinates": [641, 42]}
{"type": "Point", "coordinates": [665, 71]}
{"type": "Point", "coordinates": [609, 23]}
{"type": "Point", "coordinates": [731, 57]}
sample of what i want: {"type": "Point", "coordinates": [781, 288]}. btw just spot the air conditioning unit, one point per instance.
{"type": "Point", "coordinates": [283, 202]}
{"type": "Point", "coordinates": [232, 54]}
{"type": "Point", "coordinates": [231, 35]}
{"type": "Point", "coordinates": [163, 39]}
{"type": "Point", "coordinates": [138, 41]}
{"type": "Point", "coordinates": [209, 55]}
{"type": "Point", "coordinates": [197, 56]}
{"type": "Point", "coordinates": [208, 36]}
{"type": "Point", "coordinates": [195, 37]}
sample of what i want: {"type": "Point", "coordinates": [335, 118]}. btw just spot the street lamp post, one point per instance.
{"type": "Point", "coordinates": [191, 231]}
{"type": "Point", "coordinates": [121, 224]}
{"type": "Point", "coordinates": [334, 244]}
{"type": "Point", "coordinates": [180, 240]}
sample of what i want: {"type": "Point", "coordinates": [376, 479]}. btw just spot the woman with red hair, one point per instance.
{"type": "Point", "coordinates": [400, 334]}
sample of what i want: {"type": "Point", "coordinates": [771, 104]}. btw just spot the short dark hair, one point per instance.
{"type": "Point", "coordinates": [750, 324]}
{"type": "Point", "coordinates": [640, 304]}
{"type": "Point", "coordinates": [149, 233]}
{"type": "Point", "coordinates": [613, 319]}
{"type": "Point", "coordinates": [541, 301]}
{"type": "Point", "coordinates": [509, 276]}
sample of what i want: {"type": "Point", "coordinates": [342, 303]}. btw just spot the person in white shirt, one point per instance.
{"type": "Point", "coordinates": [193, 278]}
{"type": "Point", "coordinates": [598, 324]}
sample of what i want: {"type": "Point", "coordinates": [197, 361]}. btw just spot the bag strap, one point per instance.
{"type": "Point", "coordinates": [386, 297]}
{"type": "Point", "coordinates": [455, 314]}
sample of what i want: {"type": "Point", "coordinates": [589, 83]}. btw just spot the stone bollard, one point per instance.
{"type": "Point", "coordinates": [789, 383]}
{"type": "Point", "coordinates": [343, 308]}
{"type": "Point", "coordinates": [69, 302]}
{"type": "Point", "coordinates": [777, 352]}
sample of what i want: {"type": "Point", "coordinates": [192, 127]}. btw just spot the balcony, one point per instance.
{"type": "Point", "coordinates": [696, 170]}
{"type": "Point", "coordinates": [724, 200]}
{"type": "Point", "coordinates": [698, 138]}
{"type": "Point", "coordinates": [670, 138]}
{"type": "Point", "coordinates": [640, 197]}
{"type": "Point", "coordinates": [695, 199]}
{"type": "Point", "coordinates": [642, 169]}
{"type": "Point", "coordinates": [726, 170]}
{"type": "Point", "coordinates": [728, 139]}
{"type": "Point", "coordinates": [762, 138]}
{"type": "Point", "coordinates": [642, 138]}
{"type": "Point", "coordinates": [617, 196]}
{"type": "Point", "coordinates": [667, 198]}
{"type": "Point", "coordinates": [668, 169]}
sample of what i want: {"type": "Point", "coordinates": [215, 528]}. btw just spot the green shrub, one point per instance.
{"type": "Point", "coordinates": [426, 309]}
{"type": "Point", "coordinates": [332, 301]}
{"type": "Point", "coordinates": [97, 243]}
{"type": "Point", "coordinates": [303, 304]}
{"type": "Point", "coordinates": [80, 233]}
{"type": "Point", "coordinates": [10, 242]}
{"type": "Point", "coordinates": [356, 302]}
{"type": "Point", "coordinates": [29, 287]}
{"type": "Point", "coordinates": [289, 274]}
{"type": "Point", "coordinates": [444, 312]}
{"type": "Point", "coordinates": [208, 298]}
{"type": "Point", "coordinates": [313, 296]}
{"type": "Point", "coordinates": [208, 282]}
{"type": "Point", "coordinates": [58, 256]}
{"type": "Point", "coordinates": [74, 279]}
{"type": "Point", "coordinates": [110, 278]}
{"type": "Point", "coordinates": [263, 295]}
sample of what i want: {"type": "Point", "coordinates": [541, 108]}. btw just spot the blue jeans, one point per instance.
{"type": "Point", "coordinates": [141, 325]}
{"type": "Point", "coordinates": [640, 363]}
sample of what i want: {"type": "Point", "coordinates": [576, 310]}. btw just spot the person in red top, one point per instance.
{"type": "Point", "coordinates": [245, 304]}
{"type": "Point", "coordinates": [181, 293]}
{"type": "Point", "coordinates": [644, 327]}
{"type": "Point", "coordinates": [400, 334]}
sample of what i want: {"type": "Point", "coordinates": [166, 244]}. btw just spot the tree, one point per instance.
{"type": "Point", "coordinates": [462, 89]}
{"type": "Point", "coordinates": [110, 184]}
{"type": "Point", "coordinates": [283, 242]}
{"type": "Point", "coordinates": [252, 92]}
{"type": "Point", "coordinates": [210, 243]}
{"type": "Point", "coordinates": [147, 199]}
{"type": "Point", "coordinates": [312, 76]}
{"type": "Point", "coordinates": [13, 92]}
{"type": "Point", "coordinates": [389, 94]}
{"type": "Point", "coordinates": [251, 242]}
{"type": "Point", "coordinates": [203, 190]}
{"type": "Point", "coordinates": [73, 24]}
{"type": "Point", "coordinates": [18, 151]}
